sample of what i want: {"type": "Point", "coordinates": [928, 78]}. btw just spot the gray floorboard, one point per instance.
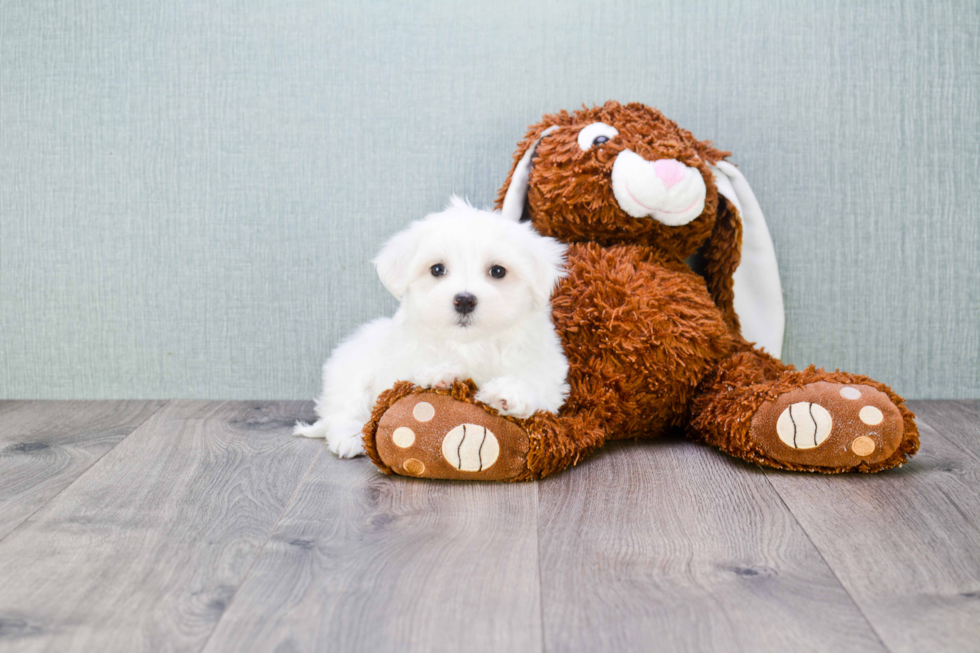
{"type": "Point", "coordinates": [905, 543]}
{"type": "Point", "coordinates": [144, 550]}
{"type": "Point", "coordinates": [206, 525]}
{"type": "Point", "coordinates": [668, 545]}
{"type": "Point", "coordinates": [44, 446]}
{"type": "Point", "coordinates": [365, 562]}
{"type": "Point", "coordinates": [957, 421]}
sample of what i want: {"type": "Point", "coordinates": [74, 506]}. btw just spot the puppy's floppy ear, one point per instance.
{"type": "Point", "coordinates": [394, 261]}
{"type": "Point", "coordinates": [547, 257]}
{"type": "Point", "coordinates": [515, 195]}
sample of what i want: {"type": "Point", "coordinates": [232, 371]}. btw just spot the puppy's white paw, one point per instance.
{"type": "Point", "coordinates": [347, 444]}
{"type": "Point", "coordinates": [438, 376]}
{"type": "Point", "coordinates": [509, 396]}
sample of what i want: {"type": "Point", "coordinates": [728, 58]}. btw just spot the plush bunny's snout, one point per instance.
{"type": "Point", "coordinates": [666, 190]}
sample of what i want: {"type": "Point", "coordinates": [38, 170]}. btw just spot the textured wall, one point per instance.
{"type": "Point", "coordinates": [190, 194]}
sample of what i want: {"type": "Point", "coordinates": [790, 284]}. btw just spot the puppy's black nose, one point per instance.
{"type": "Point", "coordinates": [464, 303]}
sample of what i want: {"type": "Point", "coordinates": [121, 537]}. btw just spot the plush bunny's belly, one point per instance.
{"type": "Point", "coordinates": [640, 331]}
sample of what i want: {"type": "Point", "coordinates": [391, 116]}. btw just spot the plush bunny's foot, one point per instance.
{"type": "Point", "coordinates": [433, 435]}
{"type": "Point", "coordinates": [829, 425]}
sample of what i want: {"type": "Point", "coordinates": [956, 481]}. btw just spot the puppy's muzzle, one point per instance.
{"type": "Point", "coordinates": [464, 303]}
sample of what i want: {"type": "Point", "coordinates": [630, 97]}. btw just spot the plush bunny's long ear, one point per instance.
{"type": "Point", "coordinates": [513, 205]}
{"type": "Point", "coordinates": [758, 293]}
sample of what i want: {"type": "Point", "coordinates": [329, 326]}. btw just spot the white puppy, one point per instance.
{"type": "Point", "coordinates": [474, 290]}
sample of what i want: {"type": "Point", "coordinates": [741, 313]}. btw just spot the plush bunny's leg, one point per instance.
{"type": "Point", "coordinates": [448, 434]}
{"type": "Point", "coordinates": [755, 408]}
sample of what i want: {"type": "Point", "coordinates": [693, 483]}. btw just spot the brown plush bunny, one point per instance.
{"type": "Point", "coordinates": [651, 345]}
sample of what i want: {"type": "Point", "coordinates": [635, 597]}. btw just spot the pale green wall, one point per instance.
{"type": "Point", "coordinates": [190, 193]}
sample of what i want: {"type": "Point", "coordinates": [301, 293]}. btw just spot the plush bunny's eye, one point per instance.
{"type": "Point", "coordinates": [595, 135]}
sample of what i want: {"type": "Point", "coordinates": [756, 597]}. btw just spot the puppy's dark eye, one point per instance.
{"type": "Point", "coordinates": [498, 272]}
{"type": "Point", "coordinates": [438, 270]}
{"type": "Point", "coordinates": [599, 140]}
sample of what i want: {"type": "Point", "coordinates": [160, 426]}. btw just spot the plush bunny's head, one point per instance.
{"type": "Point", "coordinates": [626, 174]}
{"type": "Point", "coordinates": [615, 174]}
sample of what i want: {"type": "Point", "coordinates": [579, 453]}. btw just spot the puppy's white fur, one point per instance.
{"type": "Point", "coordinates": [507, 344]}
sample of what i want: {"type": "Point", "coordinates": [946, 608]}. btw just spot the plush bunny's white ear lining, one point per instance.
{"type": "Point", "coordinates": [758, 292]}
{"type": "Point", "coordinates": [513, 206]}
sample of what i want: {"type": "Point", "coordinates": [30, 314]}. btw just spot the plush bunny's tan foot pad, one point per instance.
{"type": "Point", "coordinates": [432, 435]}
{"type": "Point", "coordinates": [831, 425]}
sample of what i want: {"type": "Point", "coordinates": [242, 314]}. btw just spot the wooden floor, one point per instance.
{"type": "Point", "coordinates": [194, 526]}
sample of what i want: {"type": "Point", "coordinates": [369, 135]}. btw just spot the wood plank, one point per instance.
{"type": "Point", "coordinates": [365, 562]}
{"type": "Point", "coordinates": [957, 421]}
{"type": "Point", "coordinates": [45, 445]}
{"type": "Point", "coordinates": [905, 543]}
{"type": "Point", "coordinates": [669, 545]}
{"type": "Point", "coordinates": [143, 552]}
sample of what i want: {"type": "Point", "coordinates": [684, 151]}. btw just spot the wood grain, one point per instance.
{"type": "Point", "coordinates": [364, 562]}
{"type": "Point", "coordinates": [143, 552]}
{"type": "Point", "coordinates": [671, 545]}
{"type": "Point", "coordinates": [211, 527]}
{"type": "Point", "coordinates": [45, 445]}
{"type": "Point", "coordinates": [957, 421]}
{"type": "Point", "coordinates": [905, 543]}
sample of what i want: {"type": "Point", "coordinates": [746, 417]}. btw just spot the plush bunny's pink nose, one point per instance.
{"type": "Point", "coordinates": [670, 171]}
{"type": "Point", "coordinates": [666, 190]}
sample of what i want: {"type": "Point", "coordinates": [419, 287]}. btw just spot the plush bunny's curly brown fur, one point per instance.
{"type": "Point", "coordinates": [652, 345]}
